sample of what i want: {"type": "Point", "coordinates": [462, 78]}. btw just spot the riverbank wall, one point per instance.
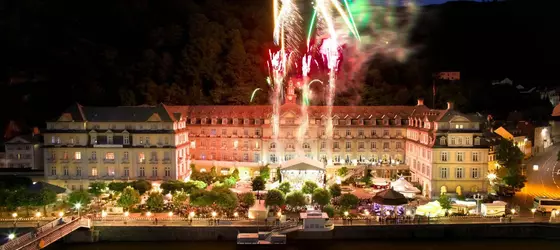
{"type": "Point", "coordinates": [229, 233]}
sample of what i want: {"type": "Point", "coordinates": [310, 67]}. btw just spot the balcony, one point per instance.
{"type": "Point", "coordinates": [154, 161]}
{"type": "Point", "coordinates": [348, 136]}
{"type": "Point", "coordinates": [93, 177]}
{"type": "Point", "coordinates": [92, 160]}
{"type": "Point", "coordinates": [125, 161]}
{"type": "Point", "coordinates": [361, 136]}
{"type": "Point", "coordinates": [77, 160]}
{"type": "Point", "coordinates": [166, 161]}
{"type": "Point", "coordinates": [374, 150]}
{"type": "Point", "coordinates": [256, 149]}
{"type": "Point", "coordinates": [64, 160]}
{"type": "Point", "coordinates": [109, 177]}
{"type": "Point", "coordinates": [336, 136]}
{"type": "Point", "coordinates": [245, 148]}
{"type": "Point", "coordinates": [361, 149]}
{"type": "Point", "coordinates": [76, 177]}
{"type": "Point", "coordinates": [323, 149]}
{"type": "Point", "coordinates": [64, 177]}
{"type": "Point", "coordinates": [109, 161]}
{"type": "Point", "coordinates": [246, 136]}
{"type": "Point", "coordinates": [256, 136]}
{"type": "Point", "coordinates": [52, 177]}
{"type": "Point", "coordinates": [143, 161]}
{"type": "Point", "coordinates": [233, 136]}
{"type": "Point", "coordinates": [386, 149]}
{"type": "Point", "coordinates": [400, 149]}
{"type": "Point", "coordinates": [336, 149]}
{"type": "Point", "coordinates": [323, 137]}
{"type": "Point", "coordinates": [51, 160]}
{"type": "Point", "coordinates": [386, 136]}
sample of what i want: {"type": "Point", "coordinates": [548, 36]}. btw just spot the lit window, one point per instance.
{"type": "Point", "coordinates": [109, 156]}
{"type": "Point", "coordinates": [141, 158]}
{"type": "Point", "coordinates": [78, 155]}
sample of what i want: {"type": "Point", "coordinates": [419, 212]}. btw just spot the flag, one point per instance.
{"type": "Point", "coordinates": [449, 75]}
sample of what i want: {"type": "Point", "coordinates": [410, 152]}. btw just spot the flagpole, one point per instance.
{"type": "Point", "coordinates": [433, 91]}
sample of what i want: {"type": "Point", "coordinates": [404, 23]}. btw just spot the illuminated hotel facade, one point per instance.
{"type": "Point", "coordinates": [160, 142]}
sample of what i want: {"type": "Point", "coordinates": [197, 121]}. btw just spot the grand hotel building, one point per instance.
{"type": "Point", "coordinates": [443, 149]}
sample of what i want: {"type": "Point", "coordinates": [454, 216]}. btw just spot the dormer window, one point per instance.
{"type": "Point", "coordinates": [193, 120]}
{"type": "Point", "coordinates": [234, 121]}
{"type": "Point", "coordinates": [246, 122]}
{"type": "Point", "coordinates": [458, 126]}
{"type": "Point", "coordinates": [477, 141]}
{"type": "Point", "coordinates": [335, 121]}
{"type": "Point", "coordinates": [203, 121]}
{"type": "Point", "coordinates": [398, 122]}
{"type": "Point", "coordinates": [361, 122]}
{"type": "Point", "coordinates": [348, 122]}
{"type": "Point", "coordinates": [224, 121]}
{"type": "Point", "coordinates": [273, 145]}
{"type": "Point", "coordinates": [386, 122]}
{"type": "Point", "coordinates": [257, 121]}
{"type": "Point", "coordinates": [214, 121]}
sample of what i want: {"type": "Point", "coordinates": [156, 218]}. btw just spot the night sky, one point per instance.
{"type": "Point", "coordinates": [436, 1]}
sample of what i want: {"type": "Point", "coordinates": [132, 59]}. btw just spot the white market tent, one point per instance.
{"type": "Point", "coordinates": [404, 187]}
{"type": "Point", "coordinates": [431, 209]}
{"type": "Point", "coordinates": [299, 170]}
{"type": "Point", "coordinates": [497, 208]}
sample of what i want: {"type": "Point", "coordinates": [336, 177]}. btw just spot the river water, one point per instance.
{"type": "Point", "coordinates": [325, 245]}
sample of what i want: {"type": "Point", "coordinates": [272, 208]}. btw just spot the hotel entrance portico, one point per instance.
{"type": "Point", "coordinates": [299, 170]}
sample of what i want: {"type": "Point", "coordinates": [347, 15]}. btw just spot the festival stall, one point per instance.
{"type": "Point", "coordinates": [380, 184]}
{"type": "Point", "coordinates": [389, 202]}
{"type": "Point", "coordinates": [299, 170]}
{"type": "Point", "coordinates": [404, 187]}
{"type": "Point", "coordinates": [431, 209]}
{"type": "Point", "coordinates": [496, 208]}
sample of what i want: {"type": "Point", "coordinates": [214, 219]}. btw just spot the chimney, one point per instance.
{"type": "Point", "coordinates": [449, 105]}
{"type": "Point", "coordinates": [420, 102]}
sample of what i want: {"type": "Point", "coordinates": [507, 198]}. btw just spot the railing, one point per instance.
{"type": "Point", "coordinates": [45, 234]}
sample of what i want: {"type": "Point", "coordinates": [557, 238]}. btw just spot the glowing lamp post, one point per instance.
{"type": "Point", "coordinates": [60, 214]}
{"type": "Point", "coordinates": [512, 211]}
{"type": "Point", "coordinates": [535, 167]}
{"type": "Point", "coordinates": [126, 214]}
{"type": "Point", "coordinates": [38, 216]}
{"type": "Point", "coordinates": [170, 214]}
{"type": "Point", "coordinates": [533, 210]}
{"type": "Point", "coordinates": [78, 206]}
{"type": "Point", "coordinates": [236, 214]}
{"type": "Point", "coordinates": [149, 214]}
{"type": "Point", "coordinates": [214, 214]}
{"type": "Point", "coordinates": [14, 215]}
{"type": "Point", "coordinates": [477, 198]}
{"type": "Point", "coordinates": [103, 214]}
{"type": "Point", "coordinates": [345, 213]}
{"type": "Point", "coordinates": [191, 215]}
{"type": "Point", "coordinates": [11, 236]}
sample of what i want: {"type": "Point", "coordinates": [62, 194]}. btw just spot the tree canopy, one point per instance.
{"type": "Point", "coordinates": [348, 201]}
{"type": "Point", "coordinates": [321, 196]}
{"type": "Point", "coordinates": [296, 200]}
{"type": "Point", "coordinates": [214, 52]}
{"type": "Point", "coordinates": [335, 190]}
{"type": "Point", "coordinates": [284, 187]}
{"type": "Point", "coordinates": [274, 197]}
{"type": "Point", "coordinates": [309, 187]}
{"type": "Point", "coordinates": [129, 197]}
{"type": "Point", "coordinates": [155, 202]}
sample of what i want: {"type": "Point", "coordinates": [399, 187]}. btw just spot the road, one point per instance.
{"type": "Point", "coordinates": [542, 182]}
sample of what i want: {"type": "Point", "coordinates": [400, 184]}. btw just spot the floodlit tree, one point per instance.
{"type": "Point", "coordinates": [79, 197]}
{"type": "Point", "coordinates": [309, 187]}
{"type": "Point", "coordinates": [348, 201]}
{"type": "Point", "coordinates": [46, 197]}
{"type": "Point", "coordinates": [179, 198]}
{"type": "Point", "coordinates": [329, 209]}
{"type": "Point", "coordinates": [235, 174]}
{"type": "Point", "coordinates": [510, 157]}
{"type": "Point", "coordinates": [296, 200]}
{"type": "Point", "coordinates": [284, 187]}
{"type": "Point", "coordinates": [97, 188]}
{"type": "Point", "coordinates": [117, 186]}
{"type": "Point", "coordinates": [343, 171]}
{"type": "Point", "coordinates": [247, 200]}
{"type": "Point", "coordinates": [321, 196]}
{"type": "Point", "coordinates": [213, 172]}
{"type": "Point", "coordinates": [274, 197]}
{"type": "Point", "coordinates": [264, 171]}
{"type": "Point", "coordinates": [142, 186]}
{"type": "Point", "coordinates": [278, 174]}
{"type": "Point", "coordinates": [335, 190]}
{"type": "Point", "coordinates": [444, 201]}
{"type": "Point", "coordinates": [258, 184]}
{"type": "Point", "coordinates": [129, 198]}
{"type": "Point", "coordinates": [155, 201]}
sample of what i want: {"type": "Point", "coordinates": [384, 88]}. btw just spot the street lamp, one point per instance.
{"type": "Point", "coordinates": [170, 214]}
{"type": "Point", "coordinates": [191, 214]}
{"type": "Point", "coordinates": [366, 213]}
{"type": "Point", "coordinates": [512, 211]}
{"type": "Point", "coordinates": [103, 214]}
{"type": "Point", "coordinates": [14, 215]}
{"type": "Point", "coordinates": [387, 213]}
{"type": "Point", "coordinates": [60, 214]}
{"type": "Point", "coordinates": [78, 206]}
{"type": "Point", "coordinates": [11, 236]}
{"type": "Point", "coordinates": [346, 213]}
{"type": "Point", "coordinates": [214, 214]}
{"type": "Point", "coordinates": [408, 213]}
{"type": "Point", "coordinates": [535, 167]}
{"type": "Point", "coordinates": [477, 198]}
{"type": "Point", "coordinates": [149, 214]}
{"type": "Point", "coordinates": [126, 214]}
{"type": "Point", "coordinates": [533, 210]}
{"type": "Point", "coordinates": [279, 214]}
{"type": "Point", "coordinates": [236, 214]}
{"type": "Point", "coordinates": [38, 215]}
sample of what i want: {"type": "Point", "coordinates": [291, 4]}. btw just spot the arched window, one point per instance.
{"type": "Point", "coordinates": [459, 190]}
{"type": "Point", "coordinates": [443, 190]}
{"type": "Point", "coordinates": [273, 145]}
{"type": "Point", "coordinates": [306, 146]}
{"type": "Point", "coordinates": [291, 146]}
